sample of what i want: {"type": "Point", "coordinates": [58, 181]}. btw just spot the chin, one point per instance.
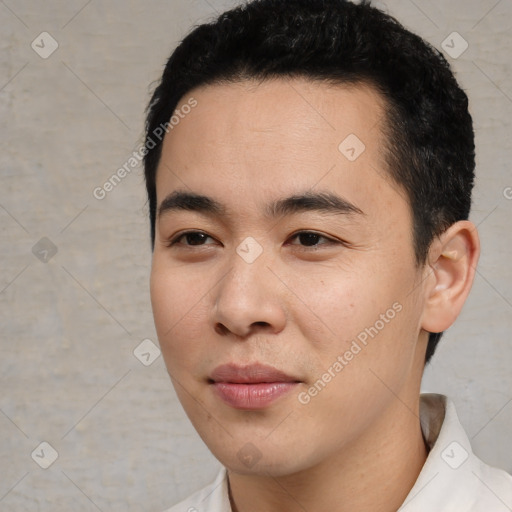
{"type": "Point", "coordinates": [274, 468]}
{"type": "Point", "coordinates": [259, 457]}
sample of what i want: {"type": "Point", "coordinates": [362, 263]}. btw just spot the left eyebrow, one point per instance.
{"type": "Point", "coordinates": [325, 202]}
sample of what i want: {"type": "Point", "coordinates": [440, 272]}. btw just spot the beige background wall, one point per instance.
{"type": "Point", "coordinates": [70, 321]}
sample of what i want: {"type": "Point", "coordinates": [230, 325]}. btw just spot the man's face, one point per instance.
{"type": "Point", "coordinates": [324, 289]}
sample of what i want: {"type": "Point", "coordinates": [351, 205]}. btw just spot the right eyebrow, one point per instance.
{"type": "Point", "coordinates": [190, 201]}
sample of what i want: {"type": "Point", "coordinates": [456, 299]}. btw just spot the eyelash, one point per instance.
{"type": "Point", "coordinates": [329, 241]}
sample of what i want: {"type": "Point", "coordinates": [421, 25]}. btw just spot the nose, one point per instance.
{"type": "Point", "coordinates": [249, 299]}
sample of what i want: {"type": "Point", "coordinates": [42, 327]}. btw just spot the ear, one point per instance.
{"type": "Point", "coordinates": [451, 268]}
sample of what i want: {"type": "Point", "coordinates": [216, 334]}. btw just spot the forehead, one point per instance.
{"type": "Point", "coordinates": [280, 112]}
{"type": "Point", "coordinates": [275, 136]}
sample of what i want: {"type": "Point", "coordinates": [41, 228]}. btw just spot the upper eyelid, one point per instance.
{"type": "Point", "coordinates": [311, 232]}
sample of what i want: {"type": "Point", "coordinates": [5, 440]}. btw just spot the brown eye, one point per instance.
{"type": "Point", "coordinates": [190, 238]}
{"type": "Point", "coordinates": [195, 238]}
{"type": "Point", "coordinates": [311, 239]}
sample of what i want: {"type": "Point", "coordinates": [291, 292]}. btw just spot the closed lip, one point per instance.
{"type": "Point", "coordinates": [250, 387]}
{"type": "Point", "coordinates": [255, 373]}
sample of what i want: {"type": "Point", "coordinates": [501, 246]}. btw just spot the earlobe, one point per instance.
{"type": "Point", "coordinates": [452, 264]}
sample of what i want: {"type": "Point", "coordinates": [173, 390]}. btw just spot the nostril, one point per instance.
{"type": "Point", "coordinates": [261, 324]}
{"type": "Point", "coordinates": [221, 329]}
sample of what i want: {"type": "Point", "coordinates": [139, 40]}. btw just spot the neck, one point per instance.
{"type": "Point", "coordinates": [373, 473]}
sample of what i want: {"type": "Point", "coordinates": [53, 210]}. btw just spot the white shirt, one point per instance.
{"type": "Point", "coordinates": [452, 479]}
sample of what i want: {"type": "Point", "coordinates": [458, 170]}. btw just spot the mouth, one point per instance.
{"type": "Point", "coordinates": [251, 387]}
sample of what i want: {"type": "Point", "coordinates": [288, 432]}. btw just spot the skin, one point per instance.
{"type": "Point", "coordinates": [357, 444]}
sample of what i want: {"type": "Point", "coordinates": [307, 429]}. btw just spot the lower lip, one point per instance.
{"type": "Point", "coordinates": [252, 396]}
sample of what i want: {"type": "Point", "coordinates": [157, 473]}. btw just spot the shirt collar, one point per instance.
{"type": "Point", "coordinates": [452, 478]}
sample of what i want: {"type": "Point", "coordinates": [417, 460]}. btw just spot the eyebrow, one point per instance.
{"type": "Point", "coordinates": [325, 202]}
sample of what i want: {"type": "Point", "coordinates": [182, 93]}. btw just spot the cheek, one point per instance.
{"type": "Point", "coordinates": [338, 301]}
{"type": "Point", "coordinates": [365, 305]}
{"type": "Point", "coordinates": [165, 293]}
{"type": "Point", "coordinates": [178, 309]}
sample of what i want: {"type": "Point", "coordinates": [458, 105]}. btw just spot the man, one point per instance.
{"type": "Point", "coordinates": [308, 209]}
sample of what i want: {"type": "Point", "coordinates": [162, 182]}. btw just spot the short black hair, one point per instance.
{"type": "Point", "coordinates": [430, 151]}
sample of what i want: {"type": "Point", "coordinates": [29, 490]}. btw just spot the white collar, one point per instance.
{"type": "Point", "coordinates": [452, 479]}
